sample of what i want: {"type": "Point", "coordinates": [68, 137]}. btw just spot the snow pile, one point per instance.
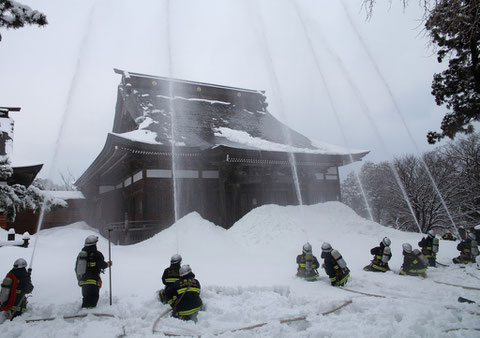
{"type": "Point", "coordinates": [247, 275]}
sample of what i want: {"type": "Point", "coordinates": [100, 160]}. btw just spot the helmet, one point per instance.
{"type": "Point", "coordinates": [477, 227]}
{"type": "Point", "coordinates": [91, 240]}
{"type": "Point", "coordinates": [471, 235]}
{"type": "Point", "coordinates": [175, 259]}
{"type": "Point", "coordinates": [307, 248]}
{"type": "Point", "coordinates": [431, 233]}
{"type": "Point", "coordinates": [386, 241]}
{"type": "Point", "coordinates": [184, 270]}
{"type": "Point", "coordinates": [326, 247]}
{"type": "Point", "coordinates": [19, 263]}
{"type": "Point", "coordinates": [407, 247]}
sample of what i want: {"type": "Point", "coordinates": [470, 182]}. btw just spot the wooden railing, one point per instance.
{"type": "Point", "coordinates": [131, 232]}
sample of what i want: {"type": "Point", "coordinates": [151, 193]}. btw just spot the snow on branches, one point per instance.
{"type": "Point", "coordinates": [15, 15]}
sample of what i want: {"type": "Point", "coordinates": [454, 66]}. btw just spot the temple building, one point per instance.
{"type": "Point", "coordinates": [181, 146]}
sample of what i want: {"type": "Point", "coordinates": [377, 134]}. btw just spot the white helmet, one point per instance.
{"type": "Point", "coordinates": [386, 241]}
{"type": "Point", "coordinates": [91, 240]}
{"type": "Point", "coordinates": [19, 263]}
{"type": "Point", "coordinates": [431, 233]}
{"type": "Point", "coordinates": [471, 235]}
{"type": "Point", "coordinates": [407, 247]}
{"type": "Point", "coordinates": [326, 247]}
{"type": "Point", "coordinates": [175, 259]}
{"type": "Point", "coordinates": [307, 248]}
{"type": "Point", "coordinates": [477, 227]}
{"type": "Point", "coordinates": [184, 270]}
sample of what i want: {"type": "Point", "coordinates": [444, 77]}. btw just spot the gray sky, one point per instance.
{"type": "Point", "coordinates": [318, 75]}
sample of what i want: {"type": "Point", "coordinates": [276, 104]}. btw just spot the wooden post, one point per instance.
{"type": "Point", "coordinates": [110, 264]}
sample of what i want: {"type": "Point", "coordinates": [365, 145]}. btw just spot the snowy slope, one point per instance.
{"type": "Point", "coordinates": [248, 277]}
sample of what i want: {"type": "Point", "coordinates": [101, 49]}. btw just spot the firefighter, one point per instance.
{"type": "Point", "coordinates": [16, 285]}
{"type": "Point", "coordinates": [414, 262]}
{"type": "Point", "coordinates": [334, 265]}
{"type": "Point", "coordinates": [89, 279]}
{"type": "Point", "coordinates": [449, 237]}
{"type": "Point", "coordinates": [429, 245]}
{"type": "Point", "coordinates": [468, 250]}
{"type": "Point", "coordinates": [170, 276]}
{"type": "Point", "coordinates": [476, 230]}
{"type": "Point", "coordinates": [381, 256]}
{"type": "Point", "coordinates": [185, 294]}
{"type": "Point", "coordinates": [307, 264]}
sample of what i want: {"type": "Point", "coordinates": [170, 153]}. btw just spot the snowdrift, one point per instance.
{"type": "Point", "coordinates": [248, 277]}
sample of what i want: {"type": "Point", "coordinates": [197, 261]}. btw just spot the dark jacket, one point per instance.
{"type": "Point", "coordinates": [337, 275]}
{"type": "Point", "coordinates": [185, 294]}
{"type": "Point", "coordinates": [377, 264]}
{"type": "Point", "coordinates": [95, 265]}
{"type": "Point", "coordinates": [24, 287]}
{"type": "Point", "coordinates": [171, 274]}
{"type": "Point", "coordinates": [427, 247]}
{"type": "Point", "coordinates": [465, 248]}
{"type": "Point", "coordinates": [301, 271]}
{"type": "Point", "coordinates": [412, 265]}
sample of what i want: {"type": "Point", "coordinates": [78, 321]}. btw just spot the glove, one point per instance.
{"type": "Point", "coordinates": [109, 263]}
{"type": "Point", "coordinates": [29, 271]}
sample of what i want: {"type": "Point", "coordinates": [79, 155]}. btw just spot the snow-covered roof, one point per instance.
{"type": "Point", "coordinates": [205, 116]}
{"type": "Point", "coordinates": [66, 195]}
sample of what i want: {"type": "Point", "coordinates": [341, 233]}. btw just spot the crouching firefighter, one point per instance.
{"type": "Point", "coordinates": [185, 294]}
{"type": "Point", "coordinates": [429, 247]}
{"type": "Point", "coordinates": [334, 265]}
{"type": "Point", "coordinates": [468, 250]}
{"type": "Point", "coordinates": [169, 277]}
{"type": "Point", "coordinates": [90, 263]}
{"type": "Point", "coordinates": [15, 286]}
{"type": "Point", "coordinates": [414, 262]}
{"type": "Point", "coordinates": [307, 264]}
{"type": "Point", "coordinates": [381, 256]}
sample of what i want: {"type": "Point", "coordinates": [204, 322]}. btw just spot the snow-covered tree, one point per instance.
{"type": "Point", "coordinates": [16, 15]}
{"type": "Point", "coordinates": [17, 197]}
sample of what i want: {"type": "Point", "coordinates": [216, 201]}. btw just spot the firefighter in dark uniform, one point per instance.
{"type": "Point", "coordinates": [170, 276]}
{"type": "Point", "coordinates": [307, 264]}
{"type": "Point", "coordinates": [185, 294]}
{"type": "Point", "coordinates": [429, 247]}
{"type": "Point", "coordinates": [24, 287]}
{"type": "Point", "coordinates": [476, 230]}
{"type": "Point", "coordinates": [91, 281]}
{"type": "Point", "coordinates": [334, 265]}
{"type": "Point", "coordinates": [468, 250]}
{"type": "Point", "coordinates": [414, 263]}
{"type": "Point", "coordinates": [381, 256]}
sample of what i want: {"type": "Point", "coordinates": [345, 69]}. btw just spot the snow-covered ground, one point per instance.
{"type": "Point", "coordinates": [247, 275]}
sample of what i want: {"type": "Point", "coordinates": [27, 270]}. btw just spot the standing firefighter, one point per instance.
{"type": "Point", "coordinates": [185, 294]}
{"type": "Point", "coordinates": [468, 250]}
{"type": "Point", "coordinates": [334, 265]}
{"type": "Point", "coordinates": [90, 263]}
{"type": "Point", "coordinates": [15, 286]}
{"type": "Point", "coordinates": [429, 247]}
{"type": "Point", "coordinates": [170, 276]}
{"type": "Point", "coordinates": [307, 264]}
{"type": "Point", "coordinates": [381, 256]}
{"type": "Point", "coordinates": [414, 262]}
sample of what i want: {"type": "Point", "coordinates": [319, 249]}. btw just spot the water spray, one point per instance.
{"type": "Point", "coordinates": [64, 119]}
{"type": "Point", "coordinates": [398, 111]}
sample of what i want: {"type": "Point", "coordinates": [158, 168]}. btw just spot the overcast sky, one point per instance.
{"type": "Point", "coordinates": [313, 62]}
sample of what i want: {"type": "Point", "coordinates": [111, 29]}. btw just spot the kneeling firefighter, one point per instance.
{"type": "Point", "coordinates": [382, 255]}
{"type": "Point", "coordinates": [334, 265]}
{"type": "Point", "coordinates": [307, 264]}
{"type": "Point", "coordinates": [414, 262]}
{"type": "Point", "coordinates": [429, 245]}
{"type": "Point", "coordinates": [169, 277]}
{"type": "Point", "coordinates": [15, 286]}
{"type": "Point", "coordinates": [468, 250]}
{"type": "Point", "coordinates": [185, 294]}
